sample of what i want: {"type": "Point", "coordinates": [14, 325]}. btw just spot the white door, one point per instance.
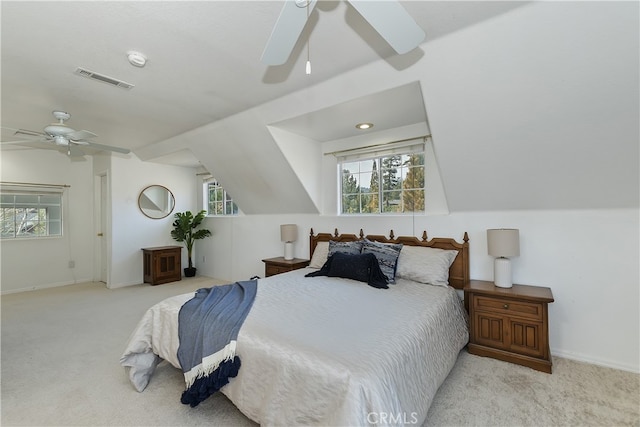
{"type": "Point", "coordinates": [102, 229]}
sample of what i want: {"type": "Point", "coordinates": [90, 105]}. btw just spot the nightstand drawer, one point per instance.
{"type": "Point", "coordinates": [273, 266]}
{"type": "Point", "coordinates": [272, 270]}
{"type": "Point", "coordinates": [511, 307]}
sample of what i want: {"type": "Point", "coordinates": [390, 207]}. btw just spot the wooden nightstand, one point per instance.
{"type": "Point", "coordinates": [509, 324]}
{"type": "Point", "coordinates": [273, 266]}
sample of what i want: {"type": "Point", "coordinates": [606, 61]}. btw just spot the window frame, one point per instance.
{"type": "Point", "coordinates": [229, 207]}
{"type": "Point", "coordinates": [52, 221]}
{"type": "Point", "coordinates": [376, 154]}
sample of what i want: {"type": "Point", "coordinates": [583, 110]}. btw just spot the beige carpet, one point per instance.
{"type": "Point", "coordinates": [60, 351]}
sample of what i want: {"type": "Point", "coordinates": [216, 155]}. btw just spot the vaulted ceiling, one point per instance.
{"type": "Point", "coordinates": [531, 105]}
{"type": "Point", "coordinates": [203, 60]}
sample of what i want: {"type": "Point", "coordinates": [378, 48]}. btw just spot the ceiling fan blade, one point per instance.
{"type": "Point", "coordinates": [80, 134]}
{"type": "Point", "coordinates": [103, 147]}
{"type": "Point", "coordinates": [392, 22]}
{"type": "Point", "coordinates": [16, 142]}
{"type": "Point", "coordinates": [26, 144]}
{"type": "Point", "coordinates": [29, 133]}
{"type": "Point", "coordinates": [288, 28]}
{"type": "Point", "coordinates": [32, 140]}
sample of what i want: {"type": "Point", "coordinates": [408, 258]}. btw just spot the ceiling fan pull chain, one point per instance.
{"type": "Point", "coordinates": [308, 66]}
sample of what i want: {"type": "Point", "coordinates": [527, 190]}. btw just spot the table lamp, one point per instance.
{"type": "Point", "coordinates": [288, 234]}
{"type": "Point", "coordinates": [503, 243]}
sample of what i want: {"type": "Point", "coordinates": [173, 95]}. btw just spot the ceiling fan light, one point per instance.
{"type": "Point", "coordinates": [60, 140]}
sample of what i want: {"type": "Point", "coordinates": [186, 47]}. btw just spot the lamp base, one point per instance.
{"type": "Point", "coordinates": [288, 251]}
{"type": "Point", "coordinates": [502, 273]}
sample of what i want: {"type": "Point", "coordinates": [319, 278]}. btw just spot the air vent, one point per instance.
{"type": "Point", "coordinates": [102, 78]}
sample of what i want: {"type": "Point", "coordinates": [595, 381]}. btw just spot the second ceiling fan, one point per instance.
{"type": "Point", "coordinates": [60, 135]}
{"type": "Point", "coordinates": [388, 18]}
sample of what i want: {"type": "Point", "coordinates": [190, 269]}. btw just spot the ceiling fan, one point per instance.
{"type": "Point", "coordinates": [62, 136]}
{"type": "Point", "coordinates": [388, 18]}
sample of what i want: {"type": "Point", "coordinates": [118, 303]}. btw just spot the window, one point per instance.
{"type": "Point", "coordinates": [383, 181]}
{"type": "Point", "coordinates": [219, 202]}
{"type": "Point", "coordinates": [25, 214]}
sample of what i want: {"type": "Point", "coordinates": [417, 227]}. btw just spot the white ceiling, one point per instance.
{"type": "Point", "coordinates": [203, 64]}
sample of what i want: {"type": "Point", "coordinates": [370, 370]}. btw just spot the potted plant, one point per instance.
{"type": "Point", "coordinates": [184, 230]}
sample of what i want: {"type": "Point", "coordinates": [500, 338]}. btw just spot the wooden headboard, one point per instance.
{"type": "Point", "coordinates": [458, 273]}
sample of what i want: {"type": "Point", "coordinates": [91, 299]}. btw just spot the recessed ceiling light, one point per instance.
{"type": "Point", "coordinates": [136, 59]}
{"type": "Point", "coordinates": [363, 126]}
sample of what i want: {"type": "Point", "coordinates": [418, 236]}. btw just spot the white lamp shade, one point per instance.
{"type": "Point", "coordinates": [288, 232]}
{"type": "Point", "coordinates": [503, 242]}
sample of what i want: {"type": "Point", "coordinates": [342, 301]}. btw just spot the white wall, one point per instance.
{"type": "Point", "coordinates": [131, 230]}
{"type": "Point", "coordinates": [38, 263]}
{"type": "Point", "coordinates": [589, 259]}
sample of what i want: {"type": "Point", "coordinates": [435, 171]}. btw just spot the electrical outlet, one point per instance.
{"type": "Point", "coordinates": [72, 264]}
{"type": "Point", "coordinates": [204, 259]}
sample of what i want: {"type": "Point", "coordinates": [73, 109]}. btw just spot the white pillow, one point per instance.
{"type": "Point", "coordinates": [320, 255]}
{"type": "Point", "coordinates": [425, 265]}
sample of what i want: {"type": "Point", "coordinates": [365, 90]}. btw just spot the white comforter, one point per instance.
{"type": "Point", "coordinates": [327, 351]}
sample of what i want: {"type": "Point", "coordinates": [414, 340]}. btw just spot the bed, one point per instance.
{"type": "Point", "coordinates": [332, 350]}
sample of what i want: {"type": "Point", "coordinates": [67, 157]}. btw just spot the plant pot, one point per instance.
{"type": "Point", "coordinates": [189, 272]}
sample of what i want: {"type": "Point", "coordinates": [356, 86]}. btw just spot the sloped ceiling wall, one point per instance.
{"type": "Point", "coordinates": [534, 109]}
{"type": "Point", "coordinates": [538, 109]}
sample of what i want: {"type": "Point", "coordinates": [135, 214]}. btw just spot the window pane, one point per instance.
{"type": "Point", "coordinates": [351, 167]}
{"type": "Point", "coordinates": [50, 199]}
{"type": "Point", "coordinates": [220, 202]}
{"type": "Point", "coordinates": [349, 184]}
{"type": "Point", "coordinates": [31, 199]}
{"type": "Point", "coordinates": [368, 165]}
{"type": "Point", "coordinates": [413, 200]}
{"type": "Point", "coordinates": [391, 201]}
{"type": "Point", "coordinates": [414, 178]}
{"type": "Point", "coordinates": [414, 160]}
{"type": "Point", "coordinates": [370, 203]}
{"type": "Point", "coordinates": [351, 204]}
{"type": "Point", "coordinates": [7, 199]}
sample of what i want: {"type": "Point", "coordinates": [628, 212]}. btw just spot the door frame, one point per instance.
{"type": "Point", "coordinates": [102, 221]}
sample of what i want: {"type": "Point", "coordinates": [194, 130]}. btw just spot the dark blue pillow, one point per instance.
{"type": "Point", "coordinates": [360, 267]}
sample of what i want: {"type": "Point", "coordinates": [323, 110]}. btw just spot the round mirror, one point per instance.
{"type": "Point", "coordinates": [156, 201]}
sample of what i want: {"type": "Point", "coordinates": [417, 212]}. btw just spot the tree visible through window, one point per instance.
{"type": "Point", "coordinates": [386, 184]}
{"type": "Point", "coordinates": [30, 215]}
{"type": "Point", "coordinates": [219, 202]}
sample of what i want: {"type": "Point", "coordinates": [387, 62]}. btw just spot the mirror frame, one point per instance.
{"type": "Point", "coordinates": [162, 214]}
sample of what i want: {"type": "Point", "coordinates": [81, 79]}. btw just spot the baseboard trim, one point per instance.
{"type": "Point", "coordinates": [596, 361]}
{"type": "Point", "coordinates": [45, 286]}
{"type": "Point", "coordinates": [123, 285]}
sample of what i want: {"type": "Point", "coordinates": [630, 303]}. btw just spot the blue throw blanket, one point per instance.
{"type": "Point", "coordinates": [208, 327]}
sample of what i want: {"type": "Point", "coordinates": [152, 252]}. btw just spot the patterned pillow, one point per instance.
{"type": "Point", "coordinates": [426, 265]}
{"type": "Point", "coordinates": [349, 248]}
{"type": "Point", "coordinates": [387, 255]}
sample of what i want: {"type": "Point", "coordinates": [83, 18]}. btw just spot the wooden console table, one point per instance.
{"type": "Point", "coordinates": [162, 264]}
